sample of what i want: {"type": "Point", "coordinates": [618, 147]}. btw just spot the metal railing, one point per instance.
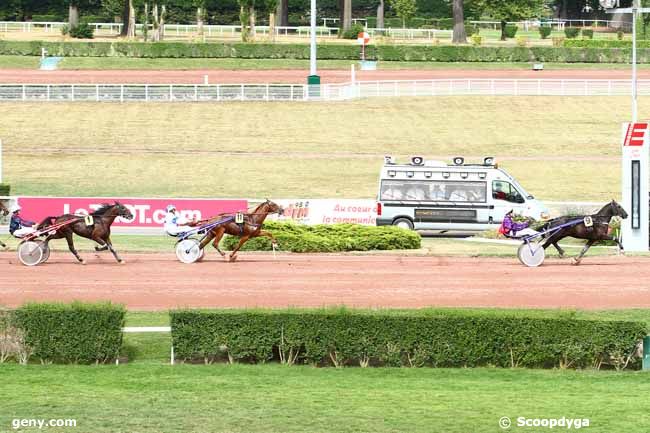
{"type": "Point", "coordinates": [325, 92]}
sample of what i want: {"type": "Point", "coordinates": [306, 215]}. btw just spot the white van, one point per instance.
{"type": "Point", "coordinates": [433, 195]}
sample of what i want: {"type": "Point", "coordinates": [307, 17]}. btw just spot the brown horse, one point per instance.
{"type": "Point", "coordinates": [598, 231]}
{"type": "Point", "coordinates": [97, 228]}
{"type": "Point", "coordinates": [250, 228]}
{"type": "Point", "coordinates": [4, 212]}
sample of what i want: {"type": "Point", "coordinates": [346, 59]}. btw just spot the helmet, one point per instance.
{"type": "Point", "coordinates": [170, 207]}
{"type": "Point", "coordinates": [15, 208]}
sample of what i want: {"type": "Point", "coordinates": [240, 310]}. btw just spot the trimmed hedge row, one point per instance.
{"type": "Point", "coordinates": [567, 54]}
{"type": "Point", "coordinates": [330, 238]}
{"type": "Point", "coordinates": [402, 338]}
{"type": "Point", "coordinates": [5, 189]}
{"type": "Point", "coordinates": [71, 333]}
{"type": "Point", "coordinates": [604, 43]}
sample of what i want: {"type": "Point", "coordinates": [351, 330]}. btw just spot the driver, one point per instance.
{"type": "Point", "coordinates": [18, 226]}
{"type": "Point", "coordinates": [498, 192]}
{"type": "Point", "coordinates": [175, 224]}
{"type": "Point", "coordinates": [510, 227]}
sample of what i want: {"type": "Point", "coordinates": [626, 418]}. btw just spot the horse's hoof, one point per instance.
{"type": "Point", "coordinates": [233, 258]}
{"type": "Point", "coordinates": [83, 262]}
{"type": "Point", "coordinates": [575, 262]}
{"type": "Point", "coordinates": [122, 262]}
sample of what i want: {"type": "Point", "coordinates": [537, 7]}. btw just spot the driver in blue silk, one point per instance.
{"type": "Point", "coordinates": [176, 224]}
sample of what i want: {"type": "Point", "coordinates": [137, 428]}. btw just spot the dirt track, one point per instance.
{"type": "Point", "coordinates": [158, 281]}
{"type": "Point", "coordinates": [287, 76]}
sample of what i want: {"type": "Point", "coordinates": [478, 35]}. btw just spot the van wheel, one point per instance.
{"type": "Point", "coordinates": [404, 223]}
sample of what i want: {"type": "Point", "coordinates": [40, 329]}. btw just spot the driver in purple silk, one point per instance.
{"type": "Point", "coordinates": [510, 227]}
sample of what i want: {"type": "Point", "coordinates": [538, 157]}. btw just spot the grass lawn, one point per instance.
{"type": "Point", "coordinates": [108, 63]}
{"type": "Point", "coordinates": [252, 149]}
{"type": "Point", "coordinates": [269, 398]}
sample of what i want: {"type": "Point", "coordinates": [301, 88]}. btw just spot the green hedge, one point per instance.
{"type": "Point", "coordinates": [437, 338]}
{"type": "Point", "coordinates": [5, 189]}
{"type": "Point", "coordinates": [326, 51]}
{"type": "Point", "coordinates": [330, 238]}
{"type": "Point", "coordinates": [604, 43]}
{"type": "Point", "coordinates": [72, 333]}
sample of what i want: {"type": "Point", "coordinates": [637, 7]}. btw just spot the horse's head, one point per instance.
{"type": "Point", "coordinates": [272, 207]}
{"type": "Point", "coordinates": [123, 211]}
{"type": "Point", "coordinates": [617, 209]}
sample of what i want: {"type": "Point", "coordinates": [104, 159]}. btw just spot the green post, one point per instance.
{"type": "Point", "coordinates": [646, 353]}
{"type": "Point", "coordinates": [314, 86]}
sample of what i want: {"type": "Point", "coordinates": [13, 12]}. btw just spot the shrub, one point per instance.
{"type": "Point", "coordinates": [72, 333]}
{"type": "Point", "coordinates": [65, 30]}
{"type": "Point", "coordinates": [511, 30]}
{"type": "Point", "coordinates": [471, 29]}
{"type": "Point", "coordinates": [545, 31]}
{"type": "Point", "coordinates": [476, 40]}
{"type": "Point", "coordinates": [82, 31]}
{"type": "Point", "coordinates": [413, 338]}
{"type": "Point", "coordinates": [588, 33]}
{"type": "Point", "coordinates": [604, 43]}
{"type": "Point", "coordinates": [558, 41]}
{"type": "Point", "coordinates": [352, 32]}
{"type": "Point", "coordinates": [620, 35]}
{"type": "Point", "coordinates": [330, 238]}
{"type": "Point", "coordinates": [12, 340]}
{"type": "Point", "coordinates": [571, 32]}
{"type": "Point", "coordinates": [48, 18]}
{"type": "Point", "coordinates": [5, 189]}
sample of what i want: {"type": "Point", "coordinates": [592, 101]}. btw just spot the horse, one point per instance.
{"type": "Point", "coordinates": [599, 231]}
{"type": "Point", "coordinates": [4, 212]}
{"type": "Point", "coordinates": [97, 227]}
{"type": "Point", "coordinates": [251, 228]}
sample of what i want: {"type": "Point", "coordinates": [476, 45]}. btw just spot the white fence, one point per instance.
{"type": "Point", "coordinates": [325, 92]}
{"type": "Point", "coordinates": [223, 31]}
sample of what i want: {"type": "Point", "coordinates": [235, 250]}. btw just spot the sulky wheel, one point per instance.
{"type": "Point", "coordinates": [531, 254]}
{"type": "Point", "coordinates": [46, 251]}
{"type": "Point", "coordinates": [30, 253]}
{"type": "Point", "coordinates": [188, 251]}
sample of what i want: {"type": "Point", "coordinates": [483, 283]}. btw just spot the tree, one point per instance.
{"type": "Point", "coordinates": [459, 36]}
{"type": "Point", "coordinates": [271, 7]}
{"type": "Point", "coordinates": [246, 18]}
{"type": "Point", "coordinates": [380, 14]}
{"type": "Point", "coordinates": [347, 14]}
{"type": "Point", "coordinates": [404, 9]}
{"type": "Point", "coordinates": [510, 10]}
{"type": "Point", "coordinates": [283, 12]}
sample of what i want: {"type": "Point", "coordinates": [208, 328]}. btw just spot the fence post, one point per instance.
{"type": "Point", "coordinates": [539, 87]}
{"type": "Point", "coordinates": [562, 87]}
{"type": "Point", "coordinates": [609, 87]}
{"type": "Point", "coordinates": [48, 93]}
{"type": "Point", "coordinates": [121, 92]}
{"type": "Point", "coordinates": [586, 83]}
{"type": "Point", "coordinates": [516, 87]}
{"type": "Point", "coordinates": [72, 92]}
{"type": "Point", "coordinates": [171, 92]}
{"type": "Point", "coordinates": [267, 92]}
{"type": "Point", "coordinates": [96, 92]}
{"type": "Point", "coordinates": [146, 93]}
{"type": "Point", "coordinates": [492, 86]}
{"type": "Point", "coordinates": [24, 93]}
{"type": "Point", "coordinates": [242, 93]}
{"type": "Point", "coordinates": [196, 93]}
{"type": "Point", "coordinates": [469, 86]}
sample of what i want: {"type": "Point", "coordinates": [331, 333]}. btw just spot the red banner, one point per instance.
{"type": "Point", "coordinates": [147, 212]}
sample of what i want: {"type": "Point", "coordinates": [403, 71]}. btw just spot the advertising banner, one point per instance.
{"type": "Point", "coordinates": [147, 212]}
{"type": "Point", "coordinates": [329, 211]}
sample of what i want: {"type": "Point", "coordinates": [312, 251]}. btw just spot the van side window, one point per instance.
{"type": "Point", "coordinates": [432, 190]}
{"type": "Point", "coordinates": [505, 191]}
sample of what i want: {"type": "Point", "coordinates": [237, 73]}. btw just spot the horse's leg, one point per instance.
{"type": "Point", "coordinates": [207, 239]}
{"type": "Point", "coordinates": [107, 244]}
{"type": "Point", "coordinates": [68, 237]}
{"type": "Point", "coordinates": [576, 260]}
{"type": "Point", "coordinates": [217, 238]}
{"type": "Point", "coordinates": [242, 241]}
{"type": "Point", "coordinates": [559, 249]}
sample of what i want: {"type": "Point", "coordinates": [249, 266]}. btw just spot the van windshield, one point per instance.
{"type": "Point", "coordinates": [516, 184]}
{"type": "Point", "coordinates": [435, 190]}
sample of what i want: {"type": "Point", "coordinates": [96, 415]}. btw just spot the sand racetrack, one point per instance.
{"type": "Point", "coordinates": [158, 281]}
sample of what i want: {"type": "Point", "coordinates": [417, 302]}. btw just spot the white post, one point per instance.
{"type": "Point", "coordinates": [312, 47]}
{"type": "Point", "coordinates": [352, 74]}
{"type": "Point", "coordinates": [634, 15]}
{"type": "Point", "coordinates": [172, 356]}
{"type": "Point", "coordinates": [0, 160]}
{"type": "Point", "coordinates": [205, 79]}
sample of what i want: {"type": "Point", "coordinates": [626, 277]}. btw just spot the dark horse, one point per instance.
{"type": "Point", "coordinates": [598, 231]}
{"type": "Point", "coordinates": [250, 228]}
{"type": "Point", "coordinates": [4, 212]}
{"type": "Point", "coordinates": [96, 228]}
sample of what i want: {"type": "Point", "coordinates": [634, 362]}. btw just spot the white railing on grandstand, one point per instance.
{"type": "Point", "coordinates": [325, 92]}
{"type": "Point", "coordinates": [557, 23]}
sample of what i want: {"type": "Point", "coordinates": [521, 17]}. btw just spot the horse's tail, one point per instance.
{"type": "Point", "coordinates": [48, 221]}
